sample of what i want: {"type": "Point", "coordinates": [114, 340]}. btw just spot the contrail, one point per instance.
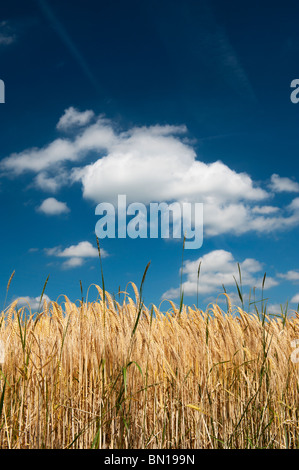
{"type": "Point", "coordinates": [60, 30]}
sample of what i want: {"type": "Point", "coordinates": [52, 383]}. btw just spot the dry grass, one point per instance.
{"type": "Point", "coordinates": [83, 376]}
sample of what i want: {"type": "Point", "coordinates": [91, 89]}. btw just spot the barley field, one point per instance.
{"type": "Point", "coordinates": [113, 374]}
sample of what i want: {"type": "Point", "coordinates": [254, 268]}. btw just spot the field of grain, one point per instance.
{"type": "Point", "coordinates": [114, 374]}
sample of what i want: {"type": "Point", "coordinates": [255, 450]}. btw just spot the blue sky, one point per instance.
{"type": "Point", "coordinates": [161, 101]}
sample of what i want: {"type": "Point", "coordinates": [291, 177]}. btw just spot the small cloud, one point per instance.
{"type": "Point", "coordinates": [76, 254]}
{"type": "Point", "coordinates": [295, 299]}
{"type": "Point", "coordinates": [32, 250]}
{"type": "Point", "coordinates": [294, 205]}
{"type": "Point", "coordinates": [290, 276]}
{"type": "Point", "coordinates": [5, 40]}
{"type": "Point", "coordinates": [279, 184]}
{"type": "Point", "coordinates": [82, 250]}
{"type": "Point", "coordinates": [48, 159]}
{"type": "Point", "coordinates": [33, 302]}
{"type": "Point", "coordinates": [52, 251]}
{"type": "Point", "coordinates": [74, 118]}
{"type": "Point", "coordinates": [51, 206]}
{"type": "Point", "coordinates": [275, 309]}
{"type": "Point", "coordinates": [73, 263]}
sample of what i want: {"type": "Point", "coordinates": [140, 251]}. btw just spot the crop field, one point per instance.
{"type": "Point", "coordinates": [113, 374]}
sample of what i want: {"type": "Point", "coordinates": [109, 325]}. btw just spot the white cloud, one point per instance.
{"type": "Point", "coordinates": [218, 268]}
{"type": "Point", "coordinates": [275, 309]}
{"type": "Point", "coordinates": [152, 164]}
{"type": "Point", "coordinates": [6, 40]}
{"type": "Point", "coordinates": [265, 210]}
{"type": "Point", "coordinates": [51, 206]}
{"type": "Point", "coordinates": [48, 183]}
{"type": "Point", "coordinates": [295, 299]}
{"type": "Point", "coordinates": [32, 250]}
{"type": "Point", "coordinates": [294, 206]}
{"type": "Point", "coordinates": [76, 254]}
{"type": "Point", "coordinates": [279, 184]}
{"type": "Point", "coordinates": [37, 160]}
{"type": "Point", "coordinates": [82, 250]}
{"type": "Point", "coordinates": [72, 263]}
{"type": "Point", "coordinates": [73, 118]}
{"type": "Point", "coordinates": [33, 302]}
{"type": "Point", "coordinates": [249, 305]}
{"type": "Point", "coordinates": [290, 275]}
{"type": "Point", "coordinates": [276, 223]}
{"type": "Point", "coordinates": [97, 137]}
{"type": "Point", "coordinates": [46, 160]}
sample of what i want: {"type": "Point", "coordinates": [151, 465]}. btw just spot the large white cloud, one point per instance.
{"type": "Point", "coordinates": [152, 164]}
{"type": "Point", "coordinates": [219, 267]}
{"type": "Point", "coordinates": [156, 164]}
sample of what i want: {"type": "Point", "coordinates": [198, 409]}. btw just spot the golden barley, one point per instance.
{"type": "Point", "coordinates": [80, 376]}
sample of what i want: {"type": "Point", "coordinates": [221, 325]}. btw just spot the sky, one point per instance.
{"type": "Point", "coordinates": [175, 102]}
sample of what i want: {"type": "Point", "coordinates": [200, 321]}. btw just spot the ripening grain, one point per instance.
{"type": "Point", "coordinates": [78, 377]}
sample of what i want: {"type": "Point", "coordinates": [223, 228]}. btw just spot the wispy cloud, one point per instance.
{"type": "Point", "coordinates": [265, 210]}
{"type": "Point", "coordinates": [74, 118]}
{"type": "Point", "coordinates": [290, 276]}
{"type": "Point", "coordinates": [96, 137]}
{"type": "Point", "coordinates": [50, 184]}
{"type": "Point", "coordinates": [76, 254]}
{"type": "Point", "coordinates": [279, 184]}
{"type": "Point", "coordinates": [7, 36]}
